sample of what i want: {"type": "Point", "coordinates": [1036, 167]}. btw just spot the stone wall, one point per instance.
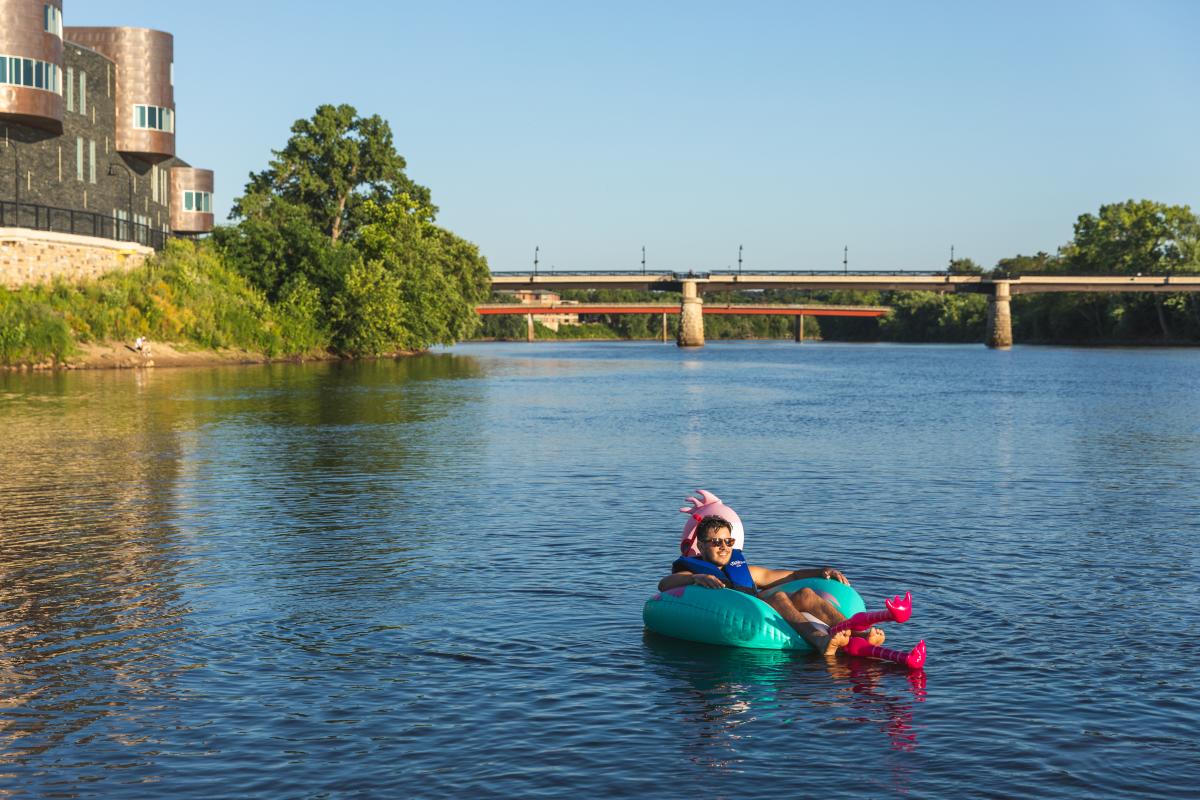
{"type": "Point", "coordinates": [30, 256]}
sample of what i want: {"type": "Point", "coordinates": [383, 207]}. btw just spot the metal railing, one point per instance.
{"type": "Point", "coordinates": [82, 223]}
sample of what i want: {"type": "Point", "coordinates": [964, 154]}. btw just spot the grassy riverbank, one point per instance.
{"type": "Point", "coordinates": [186, 296]}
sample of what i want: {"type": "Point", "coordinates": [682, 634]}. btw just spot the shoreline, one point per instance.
{"type": "Point", "coordinates": [120, 355]}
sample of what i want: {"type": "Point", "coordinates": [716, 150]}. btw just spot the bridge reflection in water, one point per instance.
{"type": "Point", "coordinates": [999, 291]}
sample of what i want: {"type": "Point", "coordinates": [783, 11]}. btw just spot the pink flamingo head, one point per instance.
{"type": "Point", "coordinates": [901, 607]}
{"type": "Point", "coordinates": [916, 656]}
{"type": "Point", "coordinates": [707, 505]}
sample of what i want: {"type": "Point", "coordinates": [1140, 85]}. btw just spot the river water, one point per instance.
{"type": "Point", "coordinates": [424, 577]}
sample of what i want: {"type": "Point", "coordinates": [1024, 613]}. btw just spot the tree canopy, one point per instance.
{"type": "Point", "coordinates": [333, 162]}
{"type": "Point", "coordinates": [335, 225]}
{"type": "Point", "coordinates": [1136, 236]}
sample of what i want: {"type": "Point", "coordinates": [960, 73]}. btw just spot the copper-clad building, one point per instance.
{"type": "Point", "coordinates": [145, 96]}
{"type": "Point", "coordinates": [191, 200]}
{"type": "Point", "coordinates": [87, 131]}
{"type": "Point", "coordinates": [31, 63]}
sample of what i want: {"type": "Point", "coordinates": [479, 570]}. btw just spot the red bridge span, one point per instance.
{"type": "Point", "coordinates": [798, 312]}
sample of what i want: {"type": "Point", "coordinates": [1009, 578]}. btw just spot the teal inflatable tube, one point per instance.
{"type": "Point", "coordinates": [735, 619]}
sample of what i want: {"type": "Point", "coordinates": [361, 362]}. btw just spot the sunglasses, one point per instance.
{"type": "Point", "coordinates": [716, 542]}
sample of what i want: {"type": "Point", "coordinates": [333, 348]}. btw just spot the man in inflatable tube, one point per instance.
{"type": "Point", "coordinates": [717, 565]}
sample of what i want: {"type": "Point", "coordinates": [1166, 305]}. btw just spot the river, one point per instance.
{"type": "Point", "coordinates": [424, 577]}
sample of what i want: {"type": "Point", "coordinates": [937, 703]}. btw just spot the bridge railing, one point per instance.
{"type": "Point", "coordinates": [677, 275]}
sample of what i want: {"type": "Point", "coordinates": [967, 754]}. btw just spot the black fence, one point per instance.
{"type": "Point", "coordinates": [83, 223]}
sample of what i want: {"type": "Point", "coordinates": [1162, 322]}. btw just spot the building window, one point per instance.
{"type": "Point", "coordinates": [154, 118]}
{"type": "Point", "coordinates": [17, 71]}
{"type": "Point", "coordinates": [82, 92]}
{"type": "Point", "coordinates": [52, 18]}
{"type": "Point", "coordinates": [70, 88]}
{"type": "Point", "coordinates": [199, 202]}
{"type": "Point", "coordinates": [92, 161]}
{"type": "Point", "coordinates": [79, 158]}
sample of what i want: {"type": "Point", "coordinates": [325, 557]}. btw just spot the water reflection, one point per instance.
{"type": "Point", "coordinates": [129, 497]}
{"type": "Point", "coordinates": [727, 687]}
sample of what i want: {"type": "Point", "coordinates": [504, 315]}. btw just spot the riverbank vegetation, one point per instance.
{"type": "Point", "coordinates": [332, 250]}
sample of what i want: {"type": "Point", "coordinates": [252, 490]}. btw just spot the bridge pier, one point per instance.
{"type": "Point", "coordinates": [798, 328]}
{"type": "Point", "coordinates": [691, 317]}
{"type": "Point", "coordinates": [529, 328]}
{"type": "Point", "coordinates": [999, 319]}
{"type": "Point", "coordinates": [664, 327]}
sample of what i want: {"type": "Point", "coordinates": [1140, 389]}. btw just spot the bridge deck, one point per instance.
{"type": "Point", "coordinates": [827, 281]}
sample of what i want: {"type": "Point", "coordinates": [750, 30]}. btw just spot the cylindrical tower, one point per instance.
{"type": "Point", "coordinates": [31, 63]}
{"type": "Point", "coordinates": [145, 95]}
{"type": "Point", "coordinates": [191, 200]}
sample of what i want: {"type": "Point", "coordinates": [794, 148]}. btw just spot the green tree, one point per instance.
{"type": "Point", "coordinates": [1136, 236]}
{"type": "Point", "coordinates": [330, 166]}
{"type": "Point", "coordinates": [437, 278]}
{"type": "Point", "coordinates": [334, 227]}
{"type": "Point", "coordinates": [965, 266]}
{"type": "Point", "coordinates": [1041, 263]}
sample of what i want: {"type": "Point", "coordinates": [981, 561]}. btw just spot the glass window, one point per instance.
{"type": "Point", "coordinates": [70, 88]}
{"type": "Point", "coordinates": [152, 117]}
{"type": "Point", "coordinates": [27, 78]}
{"type": "Point", "coordinates": [187, 201]}
{"type": "Point", "coordinates": [208, 202]}
{"type": "Point", "coordinates": [39, 75]}
{"type": "Point", "coordinates": [3, 70]}
{"type": "Point", "coordinates": [82, 92]}
{"type": "Point", "coordinates": [79, 158]}
{"type": "Point", "coordinates": [52, 19]}
{"type": "Point", "coordinates": [92, 161]}
{"type": "Point", "coordinates": [141, 116]}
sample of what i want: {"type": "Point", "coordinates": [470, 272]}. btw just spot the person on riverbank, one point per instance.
{"type": "Point", "coordinates": [716, 567]}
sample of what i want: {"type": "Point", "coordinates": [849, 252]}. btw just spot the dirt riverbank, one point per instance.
{"type": "Point", "coordinates": [123, 355]}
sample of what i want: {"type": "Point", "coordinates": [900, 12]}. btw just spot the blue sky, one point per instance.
{"type": "Point", "coordinates": [897, 129]}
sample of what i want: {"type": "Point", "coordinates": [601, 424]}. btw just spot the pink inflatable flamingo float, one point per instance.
{"type": "Point", "coordinates": [913, 659]}
{"type": "Point", "coordinates": [898, 609]}
{"type": "Point", "coordinates": [708, 505]}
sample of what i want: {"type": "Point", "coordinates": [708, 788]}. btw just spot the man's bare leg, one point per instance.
{"type": "Point", "coordinates": [809, 602]}
{"type": "Point", "coordinates": [813, 632]}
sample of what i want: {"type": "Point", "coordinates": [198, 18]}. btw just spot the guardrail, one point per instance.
{"type": "Point", "coordinates": [81, 223]}
{"type": "Point", "coordinates": [674, 275]}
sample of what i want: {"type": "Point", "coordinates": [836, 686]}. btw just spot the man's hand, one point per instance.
{"type": "Point", "coordinates": [708, 581]}
{"type": "Point", "coordinates": [829, 573]}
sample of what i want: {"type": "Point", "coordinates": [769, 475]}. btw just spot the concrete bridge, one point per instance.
{"type": "Point", "coordinates": [999, 290]}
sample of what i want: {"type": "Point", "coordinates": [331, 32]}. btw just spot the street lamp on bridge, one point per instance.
{"type": "Point", "coordinates": [739, 259]}
{"type": "Point", "coordinates": [535, 258]}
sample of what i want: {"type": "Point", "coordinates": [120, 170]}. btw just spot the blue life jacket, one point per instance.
{"type": "Point", "coordinates": [736, 573]}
